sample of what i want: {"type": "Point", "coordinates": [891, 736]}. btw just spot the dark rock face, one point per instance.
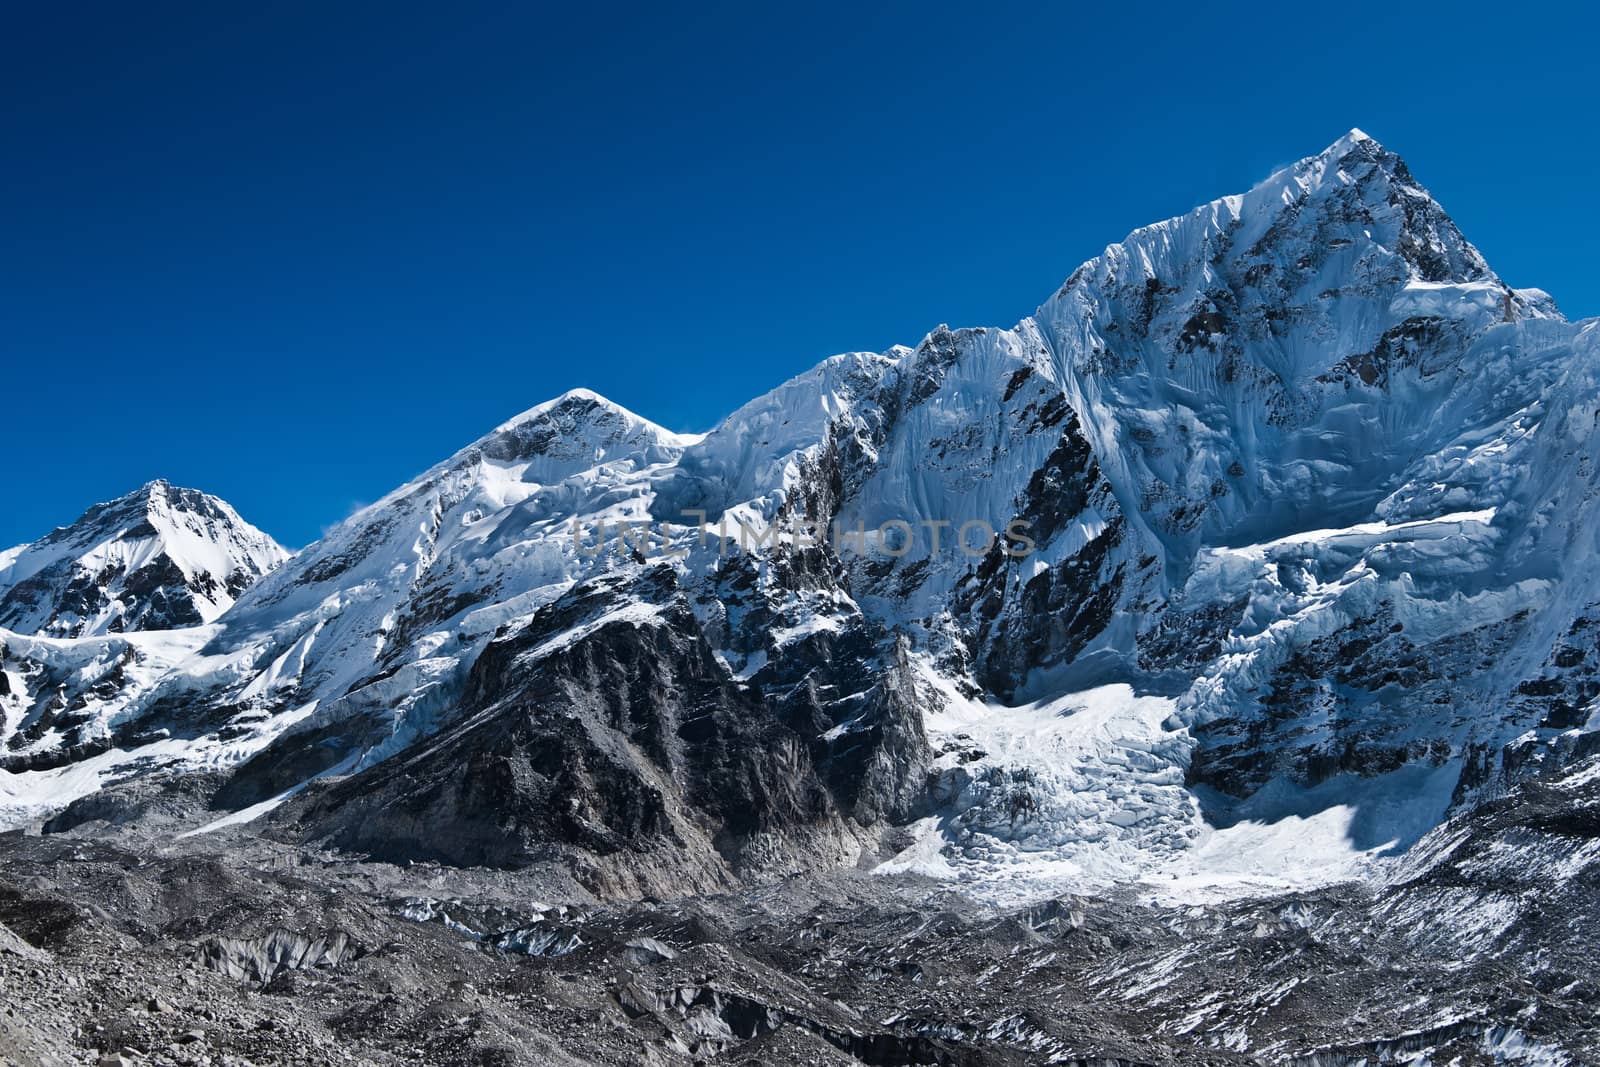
{"type": "Point", "coordinates": [156, 596]}
{"type": "Point", "coordinates": [1320, 714]}
{"type": "Point", "coordinates": [864, 719]}
{"type": "Point", "coordinates": [1017, 617]}
{"type": "Point", "coordinates": [606, 726]}
{"type": "Point", "coordinates": [59, 701]}
{"type": "Point", "coordinates": [1425, 345]}
{"type": "Point", "coordinates": [293, 759]}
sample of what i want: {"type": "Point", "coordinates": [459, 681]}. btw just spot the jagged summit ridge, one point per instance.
{"type": "Point", "coordinates": [1354, 180]}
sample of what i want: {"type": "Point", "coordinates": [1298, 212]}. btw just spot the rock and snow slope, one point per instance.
{"type": "Point", "coordinates": [96, 612]}
{"type": "Point", "coordinates": [1310, 543]}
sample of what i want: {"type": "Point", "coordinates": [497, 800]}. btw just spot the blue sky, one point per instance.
{"type": "Point", "coordinates": [294, 254]}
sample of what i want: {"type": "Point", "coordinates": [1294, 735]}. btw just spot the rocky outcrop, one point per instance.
{"type": "Point", "coordinates": [608, 729]}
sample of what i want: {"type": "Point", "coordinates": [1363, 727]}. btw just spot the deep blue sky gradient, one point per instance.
{"type": "Point", "coordinates": [295, 253]}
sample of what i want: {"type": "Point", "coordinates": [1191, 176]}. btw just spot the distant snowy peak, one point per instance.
{"type": "Point", "coordinates": [159, 558]}
{"type": "Point", "coordinates": [572, 434]}
{"type": "Point", "coordinates": [575, 440]}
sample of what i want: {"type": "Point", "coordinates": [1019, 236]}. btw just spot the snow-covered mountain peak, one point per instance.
{"type": "Point", "coordinates": [576, 430]}
{"type": "Point", "coordinates": [1356, 139]}
{"type": "Point", "coordinates": [1252, 363]}
{"type": "Point", "coordinates": [1352, 214]}
{"type": "Point", "coordinates": [578, 404]}
{"type": "Point", "coordinates": [159, 557]}
{"type": "Point", "coordinates": [422, 578]}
